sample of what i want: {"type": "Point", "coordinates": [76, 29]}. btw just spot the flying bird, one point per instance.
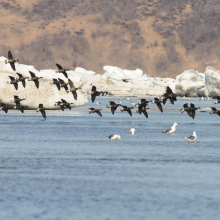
{"type": "Point", "coordinates": [13, 81]}
{"type": "Point", "coordinates": [113, 106]}
{"type": "Point", "coordinates": [21, 79]}
{"type": "Point", "coordinates": [215, 111]}
{"type": "Point", "coordinates": [157, 101]}
{"type": "Point", "coordinates": [35, 79]}
{"type": "Point", "coordinates": [93, 110]}
{"type": "Point", "coordinates": [127, 109]}
{"type": "Point", "coordinates": [72, 89]}
{"type": "Point", "coordinates": [42, 110]}
{"type": "Point", "coordinates": [94, 93]}
{"type": "Point", "coordinates": [56, 82]}
{"type": "Point", "coordinates": [62, 70]}
{"type": "Point", "coordinates": [63, 84]}
{"type": "Point", "coordinates": [11, 60]}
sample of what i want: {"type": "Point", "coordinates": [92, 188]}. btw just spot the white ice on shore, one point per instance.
{"type": "Point", "coordinates": [47, 94]}
{"type": "Point", "coordinates": [212, 82]}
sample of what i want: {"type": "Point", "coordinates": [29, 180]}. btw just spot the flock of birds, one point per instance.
{"type": "Point", "coordinates": [63, 104]}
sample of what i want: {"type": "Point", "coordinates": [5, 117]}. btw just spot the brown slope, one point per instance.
{"type": "Point", "coordinates": [161, 37]}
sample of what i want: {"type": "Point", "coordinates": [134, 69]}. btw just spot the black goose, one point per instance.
{"type": "Point", "coordinates": [16, 99]}
{"type": "Point", "coordinates": [11, 60]}
{"type": "Point", "coordinates": [142, 104]}
{"type": "Point", "coordinates": [127, 109]}
{"type": "Point", "coordinates": [42, 110]}
{"type": "Point", "coordinates": [21, 79]}
{"type": "Point", "coordinates": [35, 79]}
{"type": "Point", "coordinates": [63, 84]}
{"type": "Point", "coordinates": [169, 95]}
{"type": "Point", "coordinates": [64, 104]}
{"type": "Point", "coordinates": [4, 107]}
{"type": "Point", "coordinates": [13, 81]}
{"type": "Point", "coordinates": [56, 82]}
{"type": "Point", "coordinates": [157, 101]}
{"type": "Point", "coordinates": [94, 93]}
{"type": "Point", "coordinates": [93, 110]}
{"type": "Point", "coordinates": [193, 110]}
{"type": "Point", "coordinates": [72, 89]}
{"type": "Point", "coordinates": [186, 108]}
{"type": "Point", "coordinates": [144, 110]}
{"type": "Point", "coordinates": [215, 111]}
{"type": "Point", "coordinates": [113, 106]}
{"type": "Point", "coordinates": [62, 70]}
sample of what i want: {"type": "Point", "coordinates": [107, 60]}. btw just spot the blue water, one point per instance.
{"type": "Point", "coordinates": [65, 167]}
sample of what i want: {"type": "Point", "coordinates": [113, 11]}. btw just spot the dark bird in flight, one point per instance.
{"type": "Point", "coordinates": [13, 81]}
{"type": "Point", "coordinates": [21, 79]}
{"type": "Point", "coordinates": [62, 70]}
{"type": "Point", "coordinates": [94, 93]}
{"type": "Point", "coordinates": [93, 110]}
{"type": "Point", "coordinates": [42, 110]}
{"type": "Point", "coordinates": [11, 60]}
{"type": "Point", "coordinates": [35, 79]}
{"type": "Point", "coordinates": [72, 89]}
{"type": "Point", "coordinates": [56, 82]}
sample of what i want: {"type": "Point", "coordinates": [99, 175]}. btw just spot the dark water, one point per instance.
{"type": "Point", "coordinates": [66, 168]}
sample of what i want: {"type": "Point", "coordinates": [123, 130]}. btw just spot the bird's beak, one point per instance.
{"type": "Point", "coordinates": [177, 125]}
{"type": "Point", "coordinates": [120, 139]}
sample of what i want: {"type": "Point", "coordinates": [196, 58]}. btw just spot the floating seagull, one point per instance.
{"type": "Point", "coordinates": [132, 130]}
{"type": "Point", "coordinates": [114, 106]}
{"type": "Point", "coordinates": [21, 79]}
{"type": "Point", "coordinates": [127, 99]}
{"type": "Point", "coordinates": [215, 111]}
{"type": "Point", "coordinates": [157, 101]}
{"type": "Point", "coordinates": [42, 110]}
{"type": "Point", "coordinates": [13, 81]}
{"type": "Point", "coordinates": [93, 110]}
{"type": "Point", "coordinates": [191, 138]}
{"type": "Point", "coordinates": [56, 82]}
{"type": "Point", "coordinates": [218, 100]}
{"type": "Point", "coordinates": [11, 60]}
{"type": "Point", "coordinates": [72, 89]}
{"type": "Point", "coordinates": [63, 84]}
{"type": "Point", "coordinates": [114, 137]}
{"type": "Point", "coordinates": [35, 79]}
{"type": "Point", "coordinates": [94, 93]}
{"type": "Point", "coordinates": [97, 103]}
{"type": "Point", "coordinates": [171, 130]}
{"type": "Point", "coordinates": [62, 70]}
{"type": "Point", "coordinates": [127, 109]}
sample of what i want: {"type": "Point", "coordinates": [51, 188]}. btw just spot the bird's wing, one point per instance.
{"type": "Point", "coordinates": [32, 74]}
{"type": "Point", "coordinates": [63, 101]}
{"type": "Point", "coordinates": [66, 87]}
{"type": "Point", "coordinates": [145, 113]}
{"type": "Point", "coordinates": [113, 110]}
{"type": "Point", "coordinates": [172, 101]}
{"type": "Point", "coordinates": [164, 100]}
{"type": "Point", "coordinates": [58, 86]}
{"type": "Point", "coordinates": [23, 83]}
{"type": "Point", "coordinates": [16, 86]}
{"type": "Point", "coordinates": [93, 97]}
{"type": "Point", "coordinates": [55, 81]}
{"type": "Point", "coordinates": [71, 83]}
{"type": "Point", "coordinates": [165, 131]}
{"type": "Point", "coordinates": [218, 97]}
{"type": "Point", "coordinates": [218, 113]}
{"type": "Point", "coordinates": [214, 109]}
{"type": "Point", "coordinates": [110, 136]}
{"type": "Point", "coordinates": [91, 108]}
{"type": "Point", "coordinates": [59, 66]}
{"type": "Point", "coordinates": [65, 74]}
{"type": "Point", "coordinates": [43, 113]}
{"type": "Point", "coordinates": [112, 103]}
{"type": "Point", "coordinates": [62, 107]}
{"type": "Point", "coordinates": [191, 138]}
{"type": "Point", "coordinates": [11, 78]}
{"type": "Point", "coordinates": [61, 81]}
{"type": "Point", "coordinates": [140, 109]}
{"type": "Point", "coordinates": [74, 95]}
{"type": "Point", "coordinates": [193, 113]}
{"type": "Point", "coordinates": [36, 83]}
{"type": "Point", "coordinates": [169, 90]}
{"type": "Point", "coordinates": [19, 75]}
{"type": "Point", "coordinates": [5, 110]}
{"type": "Point", "coordinates": [160, 107]}
{"type": "Point", "coordinates": [129, 111]}
{"type": "Point", "coordinates": [99, 113]}
{"type": "Point", "coordinates": [10, 55]}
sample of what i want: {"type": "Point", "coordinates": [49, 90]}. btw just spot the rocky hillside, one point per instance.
{"type": "Point", "coordinates": [161, 37]}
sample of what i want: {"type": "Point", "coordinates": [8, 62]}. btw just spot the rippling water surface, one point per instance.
{"type": "Point", "coordinates": [66, 168]}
